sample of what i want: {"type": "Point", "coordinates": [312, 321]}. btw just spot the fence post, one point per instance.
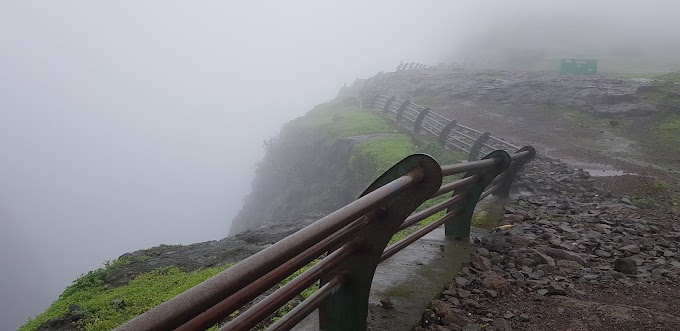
{"type": "Point", "coordinates": [388, 104]}
{"type": "Point", "coordinates": [369, 100]}
{"type": "Point", "coordinates": [419, 120]}
{"type": "Point", "coordinates": [477, 146]}
{"type": "Point", "coordinates": [504, 190]}
{"type": "Point", "coordinates": [459, 226]}
{"type": "Point", "coordinates": [445, 132]}
{"type": "Point", "coordinates": [347, 309]}
{"type": "Point", "coordinates": [400, 112]}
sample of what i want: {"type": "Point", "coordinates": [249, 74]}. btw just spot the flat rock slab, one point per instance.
{"type": "Point", "coordinates": [410, 280]}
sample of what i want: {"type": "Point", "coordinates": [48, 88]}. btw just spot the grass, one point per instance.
{"type": "Point", "coordinates": [574, 115]}
{"type": "Point", "coordinates": [642, 202]}
{"type": "Point", "coordinates": [341, 118]}
{"type": "Point", "coordinates": [144, 292]}
{"type": "Point", "coordinates": [671, 76]}
{"type": "Point", "coordinates": [373, 157]}
{"type": "Point", "coordinates": [658, 186]}
{"type": "Point", "coordinates": [668, 132]}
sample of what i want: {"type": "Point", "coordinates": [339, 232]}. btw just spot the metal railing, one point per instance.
{"type": "Point", "coordinates": [450, 133]}
{"type": "Point", "coordinates": [348, 244]}
{"type": "Point", "coordinates": [411, 65]}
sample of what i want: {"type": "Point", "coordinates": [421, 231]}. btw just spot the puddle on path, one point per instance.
{"type": "Point", "coordinates": [606, 173]}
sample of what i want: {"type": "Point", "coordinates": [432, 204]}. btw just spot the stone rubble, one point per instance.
{"type": "Point", "coordinates": [566, 234]}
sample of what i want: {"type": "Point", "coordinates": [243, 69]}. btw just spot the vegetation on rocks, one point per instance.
{"type": "Point", "coordinates": [104, 308]}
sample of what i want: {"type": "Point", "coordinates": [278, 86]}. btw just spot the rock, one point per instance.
{"type": "Point", "coordinates": [528, 262]}
{"type": "Point", "coordinates": [501, 324]}
{"type": "Point", "coordinates": [517, 275]}
{"type": "Point", "coordinates": [518, 241]}
{"type": "Point", "coordinates": [440, 308]}
{"type": "Point", "coordinates": [567, 229]}
{"type": "Point", "coordinates": [387, 303]}
{"type": "Point", "coordinates": [602, 253]}
{"type": "Point", "coordinates": [564, 255]}
{"type": "Point", "coordinates": [463, 293]}
{"type": "Point", "coordinates": [67, 322]}
{"type": "Point", "coordinates": [490, 293]}
{"type": "Point", "coordinates": [453, 301]}
{"type": "Point", "coordinates": [659, 271]}
{"type": "Point", "coordinates": [568, 264]}
{"type": "Point", "coordinates": [524, 317]}
{"type": "Point", "coordinates": [555, 289]}
{"type": "Point", "coordinates": [462, 281]}
{"type": "Point", "coordinates": [449, 316]}
{"type": "Point", "coordinates": [472, 327]}
{"type": "Point", "coordinates": [632, 249]}
{"type": "Point", "coordinates": [470, 303]}
{"type": "Point", "coordinates": [545, 258]}
{"type": "Point", "coordinates": [537, 274]}
{"type": "Point", "coordinates": [118, 302]}
{"type": "Point", "coordinates": [542, 291]}
{"type": "Point", "coordinates": [483, 252]}
{"type": "Point", "coordinates": [625, 265]}
{"type": "Point", "coordinates": [480, 263]}
{"type": "Point", "coordinates": [494, 281]}
{"type": "Point", "coordinates": [495, 243]}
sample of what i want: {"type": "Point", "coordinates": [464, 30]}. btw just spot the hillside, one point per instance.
{"type": "Point", "coordinates": [318, 163]}
{"type": "Point", "coordinates": [580, 125]}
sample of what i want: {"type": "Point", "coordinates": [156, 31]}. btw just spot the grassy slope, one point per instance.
{"type": "Point", "coordinates": [101, 312]}
{"type": "Point", "coordinates": [336, 119]}
{"type": "Point", "coordinates": [373, 157]}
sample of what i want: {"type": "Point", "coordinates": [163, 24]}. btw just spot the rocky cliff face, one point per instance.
{"type": "Point", "coordinates": [310, 167]}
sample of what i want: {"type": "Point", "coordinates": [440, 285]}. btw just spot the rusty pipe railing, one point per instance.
{"type": "Point", "coordinates": [348, 244]}
{"type": "Point", "coordinates": [450, 133]}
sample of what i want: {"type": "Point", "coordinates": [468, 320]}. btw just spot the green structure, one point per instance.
{"type": "Point", "coordinates": [579, 66]}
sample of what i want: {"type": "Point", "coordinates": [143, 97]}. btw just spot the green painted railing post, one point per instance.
{"type": "Point", "coordinates": [459, 226]}
{"type": "Point", "coordinates": [517, 165]}
{"type": "Point", "coordinates": [347, 309]}
{"type": "Point", "coordinates": [477, 146]}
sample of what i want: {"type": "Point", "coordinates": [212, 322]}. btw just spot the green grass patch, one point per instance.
{"type": "Point", "coordinates": [671, 76]}
{"type": "Point", "coordinates": [373, 157]}
{"type": "Point", "coordinates": [139, 295]}
{"type": "Point", "coordinates": [574, 115]}
{"type": "Point", "coordinates": [647, 75]}
{"type": "Point", "coordinates": [144, 292]}
{"type": "Point", "coordinates": [341, 118]}
{"type": "Point", "coordinates": [642, 202]}
{"type": "Point", "coordinates": [658, 186]}
{"type": "Point", "coordinates": [668, 132]}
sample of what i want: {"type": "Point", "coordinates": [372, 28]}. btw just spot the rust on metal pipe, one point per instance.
{"type": "Point", "coordinates": [185, 306]}
{"type": "Point", "coordinates": [306, 307]}
{"type": "Point", "coordinates": [453, 169]}
{"type": "Point", "coordinates": [417, 217]}
{"type": "Point", "coordinates": [398, 246]}
{"type": "Point", "coordinates": [274, 301]}
{"type": "Point", "coordinates": [227, 306]}
{"type": "Point", "coordinates": [446, 188]}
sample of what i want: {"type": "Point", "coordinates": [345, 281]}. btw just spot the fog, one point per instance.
{"type": "Point", "coordinates": [128, 125]}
